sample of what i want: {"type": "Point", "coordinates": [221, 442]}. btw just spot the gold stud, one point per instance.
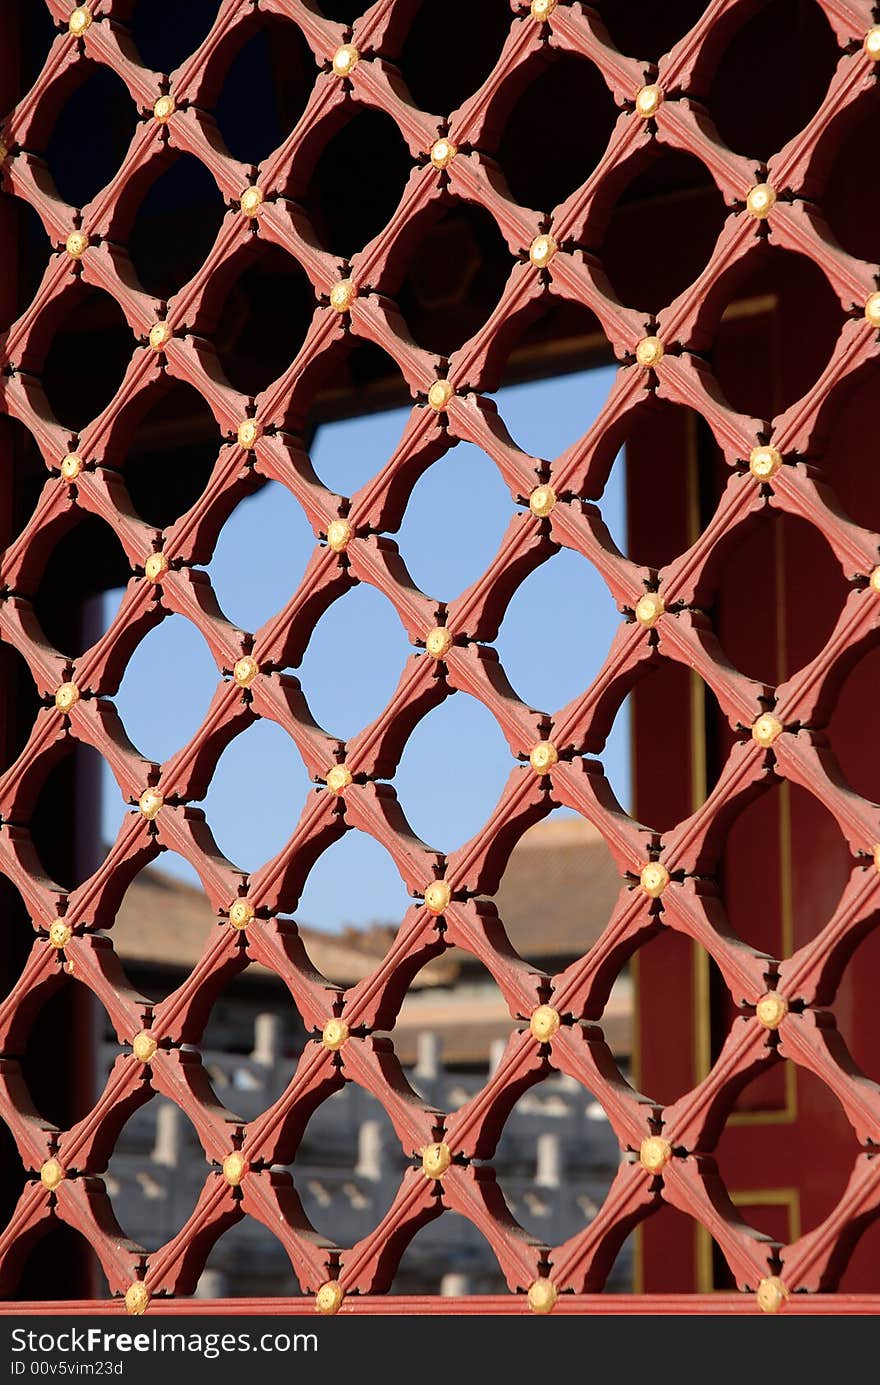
{"type": "Point", "coordinates": [51, 1174]}
{"type": "Point", "coordinates": [438, 896]}
{"type": "Point", "coordinates": [71, 466]}
{"type": "Point", "coordinates": [439, 642]}
{"type": "Point", "coordinates": [345, 59]}
{"type": "Point", "coordinates": [235, 1166]}
{"type": "Point", "coordinates": [79, 20]}
{"type": "Point", "coordinates": [542, 1292]}
{"type": "Point", "coordinates": [342, 295]}
{"type": "Point", "coordinates": [760, 201]}
{"type": "Point", "coordinates": [144, 1046]}
{"type": "Point", "coordinates": [60, 933]}
{"type": "Point", "coordinates": [542, 250]}
{"type": "Point", "coordinates": [249, 432]}
{"type": "Point", "coordinates": [163, 109]}
{"type": "Point", "coordinates": [872, 303]}
{"type": "Point", "coordinates": [649, 99]}
{"type": "Point", "coordinates": [3, 152]}
{"type": "Point", "coordinates": [764, 462]}
{"type": "Point", "coordinates": [155, 566]}
{"type": "Point", "coordinates": [771, 1294]}
{"type": "Point", "coordinates": [771, 1009]}
{"type": "Point", "coordinates": [654, 1153]}
{"type": "Point", "coordinates": [436, 1159]}
{"type": "Point", "coordinates": [251, 201]}
{"type": "Point", "coordinates": [544, 1023]}
{"type": "Point", "coordinates": [245, 671]}
{"type": "Point", "coordinates": [440, 394]}
{"type": "Point", "coordinates": [77, 244]}
{"type": "Point", "coordinates": [543, 757]}
{"type": "Point", "coordinates": [160, 335]}
{"type": "Point", "coordinates": [338, 779]}
{"type": "Point", "coordinates": [649, 352]}
{"type": "Point", "coordinates": [334, 1034]}
{"type": "Point", "coordinates": [766, 729]}
{"type": "Point", "coordinates": [241, 913]}
{"type": "Point", "coordinates": [542, 501]}
{"type": "Point", "coordinates": [443, 151]}
{"type": "Point", "coordinates": [653, 879]}
{"type": "Point", "coordinates": [150, 803]}
{"type": "Point", "coordinates": [649, 609]}
{"type": "Point", "coordinates": [66, 696]}
{"type": "Point", "coordinates": [872, 43]}
{"type": "Point", "coordinates": [874, 580]}
{"type": "Point", "coordinates": [137, 1298]}
{"type": "Point", "coordinates": [877, 856]}
{"type": "Point", "coordinates": [339, 533]}
{"type": "Point", "coordinates": [328, 1299]}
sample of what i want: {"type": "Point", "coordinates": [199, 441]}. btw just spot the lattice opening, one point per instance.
{"type": "Point", "coordinates": [652, 204]}
{"type": "Point", "coordinates": [248, 1243]}
{"type": "Point", "coordinates": [752, 61]}
{"type": "Point", "coordinates": [850, 203]}
{"type": "Point", "coordinates": [263, 762]}
{"type": "Point", "coordinates": [166, 33]}
{"type": "Point", "coordinates": [65, 1105]}
{"type": "Point", "coordinates": [464, 494]}
{"type": "Point", "coordinates": [265, 89]}
{"type": "Point", "coordinates": [184, 190]}
{"type": "Point", "coordinates": [171, 456]}
{"type": "Point", "coordinates": [368, 154]}
{"type": "Point", "coordinates": [27, 474]}
{"type": "Point", "coordinates": [646, 30]}
{"type": "Point", "coordinates": [70, 858]}
{"type": "Point", "coordinates": [549, 415]}
{"type": "Point", "coordinates": [62, 1264]}
{"type": "Point", "coordinates": [21, 223]}
{"type": "Point", "coordinates": [248, 592]}
{"type": "Point", "coordinates": [101, 104]}
{"type": "Point", "coordinates": [347, 453]}
{"type": "Point", "coordinates": [75, 571]}
{"type": "Point", "coordinates": [449, 1256]}
{"type": "Point", "coordinates": [439, 69]}
{"type": "Point", "coordinates": [844, 732]}
{"type": "Point", "coordinates": [353, 884]}
{"type": "Point", "coordinates": [348, 1166]}
{"type": "Point", "coordinates": [569, 97]}
{"type": "Point", "coordinates": [263, 319]}
{"type": "Point", "coordinates": [158, 721]}
{"type": "Point", "coordinates": [78, 388]}
{"type": "Point", "coordinates": [155, 1174]}
{"type": "Point", "coordinates": [18, 935]}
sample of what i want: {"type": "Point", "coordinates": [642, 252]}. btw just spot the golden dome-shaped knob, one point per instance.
{"type": "Point", "coordinates": [438, 897]}
{"type": "Point", "coordinates": [137, 1298]}
{"type": "Point", "coordinates": [338, 779]}
{"type": "Point", "coordinates": [66, 696]}
{"type": "Point", "coordinates": [436, 1159]}
{"type": "Point", "coordinates": [328, 1299]}
{"type": "Point", "coordinates": [60, 933]}
{"type": "Point", "coordinates": [246, 670]}
{"type": "Point", "coordinates": [439, 642]}
{"type": "Point", "coordinates": [160, 335]}
{"type": "Point", "coordinates": [249, 432]}
{"type": "Point", "coordinates": [251, 201]}
{"type": "Point", "coordinates": [51, 1174]}
{"type": "Point", "coordinates": [241, 913]}
{"type": "Point", "coordinates": [771, 1294]}
{"type": "Point", "coordinates": [77, 244]}
{"type": "Point", "coordinates": [542, 501]}
{"type": "Point", "coordinates": [544, 1023]}
{"type": "Point", "coordinates": [339, 534]}
{"type": "Point", "coordinates": [71, 466]}
{"type": "Point", "coordinates": [760, 201]}
{"type": "Point", "coordinates": [654, 1153]}
{"type": "Point", "coordinates": [649, 609]}
{"type": "Point", "coordinates": [872, 303]}
{"type": "Point", "coordinates": [766, 729]}
{"type": "Point", "coordinates": [542, 10]}
{"type": "Point", "coordinates": [144, 1046]}
{"type": "Point", "coordinates": [542, 250]}
{"type": "Point", "coordinates": [542, 1296]}
{"type": "Point", "coordinates": [443, 151]}
{"type": "Point", "coordinates": [79, 20]}
{"type": "Point", "coordinates": [163, 109]}
{"type": "Point", "coordinates": [334, 1034]}
{"type": "Point", "coordinates": [649, 99]}
{"type": "Point", "coordinates": [649, 352]}
{"type": "Point", "coordinates": [440, 394]}
{"type": "Point", "coordinates": [653, 879]}
{"type": "Point", "coordinates": [150, 803]}
{"type": "Point", "coordinates": [771, 1009]}
{"type": "Point", "coordinates": [345, 59]}
{"type": "Point", "coordinates": [342, 295]}
{"type": "Point", "coordinates": [764, 462]}
{"type": "Point", "coordinates": [543, 756]}
{"type": "Point", "coordinates": [155, 567]}
{"type": "Point", "coordinates": [874, 580]}
{"type": "Point", "coordinates": [235, 1166]}
{"type": "Point", "coordinates": [872, 43]}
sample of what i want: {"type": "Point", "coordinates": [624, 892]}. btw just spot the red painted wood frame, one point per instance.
{"type": "Point", "coordinates": [678, 880]}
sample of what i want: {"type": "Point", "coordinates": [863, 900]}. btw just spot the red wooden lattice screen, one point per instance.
{"type": "Point", "coordinates": [667, 880]}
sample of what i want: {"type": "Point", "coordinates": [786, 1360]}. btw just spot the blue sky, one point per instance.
{"type": "Point", "coordinates": [456, 761]}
